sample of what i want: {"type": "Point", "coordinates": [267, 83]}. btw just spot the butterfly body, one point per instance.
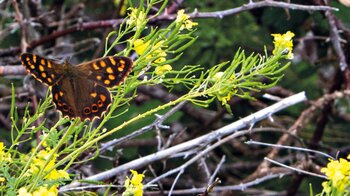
{"type": "Point", "coordinates": [81, 90]}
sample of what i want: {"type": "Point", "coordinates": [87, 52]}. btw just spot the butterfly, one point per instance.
{"type": "Point", "coordinates": [79, 91]}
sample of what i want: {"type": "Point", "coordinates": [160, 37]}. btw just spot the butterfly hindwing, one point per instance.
{"type": "Point", "coordinates": [80, 97]}
{"type": "Point", "coordinates": [108, 71]}
{"type": "Point", "coordinates": [44, 70]}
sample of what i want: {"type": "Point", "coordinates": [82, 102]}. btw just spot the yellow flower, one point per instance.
{"type": "Point", "coordinates": [57, 174]}
{"type": "Point", "coordinates": [137, 18]}
{"type": "Point", "coordinates": [160, 60]}
{"type": "Point", "coordinates": [3, 155]}
{"type": "Point", "coordinates": [326, 187]}
{"type": "Point", "coordinates": [23, 192]}
{"type": "Point", "coordinates": [136, 178]}
{"type": "Point", "coordinates": [134, 186]}
{"type": "Point", "coordinates": [283, 42]}
{"type": "Point", "coordinates": [188, 24]}
{"type": "Point", "coordinates": [338, 173]}
{"type": "Point", "coordinates": [140, 46]}
{"type": "Point", "coordinates": [162, 70]}
{"type": "Point", "coordinates": [39, 162]}
{"type": "Point", "coordinates": [43, 191]}
{"type": "Point", "coordinates": [184, 20]}
{"type": "Point", "coordinates": [181, 16]}
{"type": "Point", "coordinates": [2, 179]}
{"type": "Point", "coordinates": [1, 147]}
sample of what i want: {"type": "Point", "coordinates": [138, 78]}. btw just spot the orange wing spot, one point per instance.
{"type": "Point", "coordinates": [52, 75]}
{"type": "Point", "coordinates": [111, 77]}
{"type": "Point", "coordinates": [49, 65]}
{"type": "Point", "coordinates": [100, 103]}
{"type": "Point", "coordinates": [41, 68]}
{"type": "Point", "coordinates": [59, 103]}
{"type": "Point", "coordinates": [102, 64]}
{"type": "Point", "coordinates": [122, 62]}
{"type": "Point", "coordinates": [32, 66]}
{"type": "Point", "coordinates": [56, 96]}
{"type": "Point", "coordinates": [95, 66]}
{"type": "Point", "coordinates": [112, 61]}
{"type": "Point", "coordinates": [61, 93]}
{"type": "Point", "coordinates": [98, 77]}
{"type": "Point", "coordinates": [34, 58]}
{"type": "Point", "coordinates": [109, 70]}
{"type": "Point", "coordinates": [107, 82]}
{"type": "Point", "coordinates": [65, 107]}
{"type": "Point", "coordinates": [49, 80]}
{"type": "Point", "coordinates": [42, 61]}
{"type": "Point", "coordinates": [94, 108]}
{"type": "Point", "coordinates": [93, 95]}
{"type": "Point", "coordinates": [43, 75]}
{"type": "Point", "coordinates": [103, 97]}
{"type": "Point", "coordinates": [27, 59]}
{"type": "Point", "coordinates": [87, 110]}
{"type": "Point", "coordinates": [121, 68]}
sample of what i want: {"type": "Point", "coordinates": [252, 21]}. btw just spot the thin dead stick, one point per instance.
{"type": "Point", "coordinates": [336, 40]}
{"type": "Point", "coordinates": [249, 6]}
{"type": "Point", "coordinates": [295, 169]}
{"type": "Point", "coordinates": [290, 147]}
{"type": "Point", "coordinates": [260, 4]}
{"type": "Point", "coordinates": [243, 186]}
{"type": "Point", "coordinates": [197, 142]}
{"type": "Point", "coordinates": [216, 171]}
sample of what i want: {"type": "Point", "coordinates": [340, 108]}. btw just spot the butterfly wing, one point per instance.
{"type": "Point", "coordinates": [44, 70]}
{"type": "Point", "coordinates": [108, 71]}
{"type": "Point", "coordinates": [80, 97]}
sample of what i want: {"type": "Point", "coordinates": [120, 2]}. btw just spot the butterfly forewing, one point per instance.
{"type": "Point", "coordinates": [108, 71]}
{"type": "Point", "coordinates": [44, 70]}
{"type": "Point", "coordinates": [79, 91]}
{"type": "Point", "coordinates": [80, 97]}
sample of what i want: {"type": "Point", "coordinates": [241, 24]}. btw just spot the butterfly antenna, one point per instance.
{"type": "Point", "coordinates": [67, 59]}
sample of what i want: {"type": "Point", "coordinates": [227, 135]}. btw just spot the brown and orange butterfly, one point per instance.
{"type": "Point", "coordinates": [81, 90]}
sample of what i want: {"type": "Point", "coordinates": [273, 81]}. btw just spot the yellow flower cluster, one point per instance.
{"type": "Point", "coordinates": [42, 191]}
{"type": "Point", "coordinates": [282, 43]}
{"type": "Point", "coordinates": [338, 173]}
{"type": "Point", "coordinates": [37, 165]}
{"type": "Point", "coordinates": [161, 70]}
{"type": "Point", "coordinates": [140, 46]}
{"type": "Point", "coordinates": [4, 156]}
{"type": "Point", "coordinates": [183, 19]}
{"type": "Point", "coordinates": [136, 17]}
{"type": "Point", "coordinates": [39, 162]}
{"type": "Point", "coordinates": [133, 186]}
